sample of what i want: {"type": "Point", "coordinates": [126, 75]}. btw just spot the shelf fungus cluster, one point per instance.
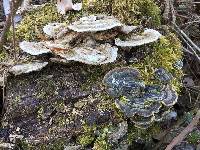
{"type": "Point", "coordinates": [75, 42]}
{"type": "Point", "coordinates": [142, 103]}
{"type": "Point", "coordinates": [79, 41]}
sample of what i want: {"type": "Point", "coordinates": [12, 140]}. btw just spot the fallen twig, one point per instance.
{"type": "Point", "coordinates": [13, 26]}
{"type": "Point", "coordinates": [187, 38]}
{"type": "Point", "coordinates": [178, 139]}
{"type": "Point", "coordinates": [193, 48]}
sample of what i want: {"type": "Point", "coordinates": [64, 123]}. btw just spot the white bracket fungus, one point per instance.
{"type": "Point", "coordinates": [148, 36]}
{"type": "Point", "coordinates": [128, 29]}
{"type": "Point", "coordinates": [34, 48]}
{"type": "Point", "coordinates": [55, 30]}
{"type": "Point", "coordinates": [27, 68]}
{"type": "Point", "coordinates": [95, 23]}
{"type": "Point", "coordinates": [100, 54]}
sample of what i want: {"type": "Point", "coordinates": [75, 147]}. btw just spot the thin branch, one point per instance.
{"type": "Point", "coordinates": [13, 27]}
{"type": "Point", "coordinates": [178, 139]}
{"type": "Point", "coordinates": [3, 38]}
{"type": "Point", "coordinates": [166, 11]}
{"type": "Point", "coordinates": [187, 38]}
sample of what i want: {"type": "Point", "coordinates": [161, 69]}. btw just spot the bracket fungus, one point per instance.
{"type": "Point", "coordinates": [123, 81]}
{"type": "Point", "coordinates": [95, 23]}
{"type": "Point", "coordinates": [148, 36]}
{"type": "Point", "coordinates": [55, 29]}
{"type": "Point", "coordinates": [136, 100]}
{"type": "Point", "coordinates": [178, 64]}
{"type": "Point", "coordinates": [163, 75]}
{"type": "Point", "coordinates": [88, 53]}
{"type": "Point", "coordinates": [128, 29]}
{"type": "Point", "coordinates": [34, 48]}
{"type": "Point", "coordinates": [97, 55]}
{"type": "Point", "coordinates": [27, 68]}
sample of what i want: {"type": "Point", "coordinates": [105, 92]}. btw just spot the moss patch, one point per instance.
{"type": "Point", "coordinates": [135, 133]}
{"type": "Point", "coordinates": [194, 137]}
{"type": "Point", "coordinates": [128, 11]}
{"type": "Point", "coordinates": [165, 53]}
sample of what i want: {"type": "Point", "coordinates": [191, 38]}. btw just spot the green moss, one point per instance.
{"type": "Point", "coordinates": [3, 55]}
{"type": "Point", "coordinates": [88, 135]}
{"type": "Point", "coordinates": [31, 26]}
{"type": "Point", "coordinates": [101, 142]}
{"type": "Point", "coordinates": [57, 144]}
{"type": "Point", "coordinates": [40, 113]}
{"type": "Point", "coordinates": [127, 11]}
{"type": "Point", "coordinates": [24, 145]}
{"type": "Point", "coordinates": [85, 140]}
{"type": "Point", "coordinates": [194, 137]}
{"type": "Point", "coordinates": [165, 53]}
{"type": "Point", "coordinates": [135, 133]}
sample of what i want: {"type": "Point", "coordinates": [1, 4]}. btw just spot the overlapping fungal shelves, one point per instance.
{"type": "Point", "coordinates": [137, 100]}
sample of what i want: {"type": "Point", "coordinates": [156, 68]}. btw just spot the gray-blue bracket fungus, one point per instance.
{"type": "Point", "coordinates": [143, 104]}
{"type": "Point", "coordinates": [118, 133]}
{"type": "Point", "coordinates": [27, 67]}
{"type": "Point", "coordinates": [123, 81]}
{"type": "Point", "coordinates": [163, 75]}
{"type": "Point", "coordinates": [148, 36]}
{"type": "Point", "coordinates": [95, 23]}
